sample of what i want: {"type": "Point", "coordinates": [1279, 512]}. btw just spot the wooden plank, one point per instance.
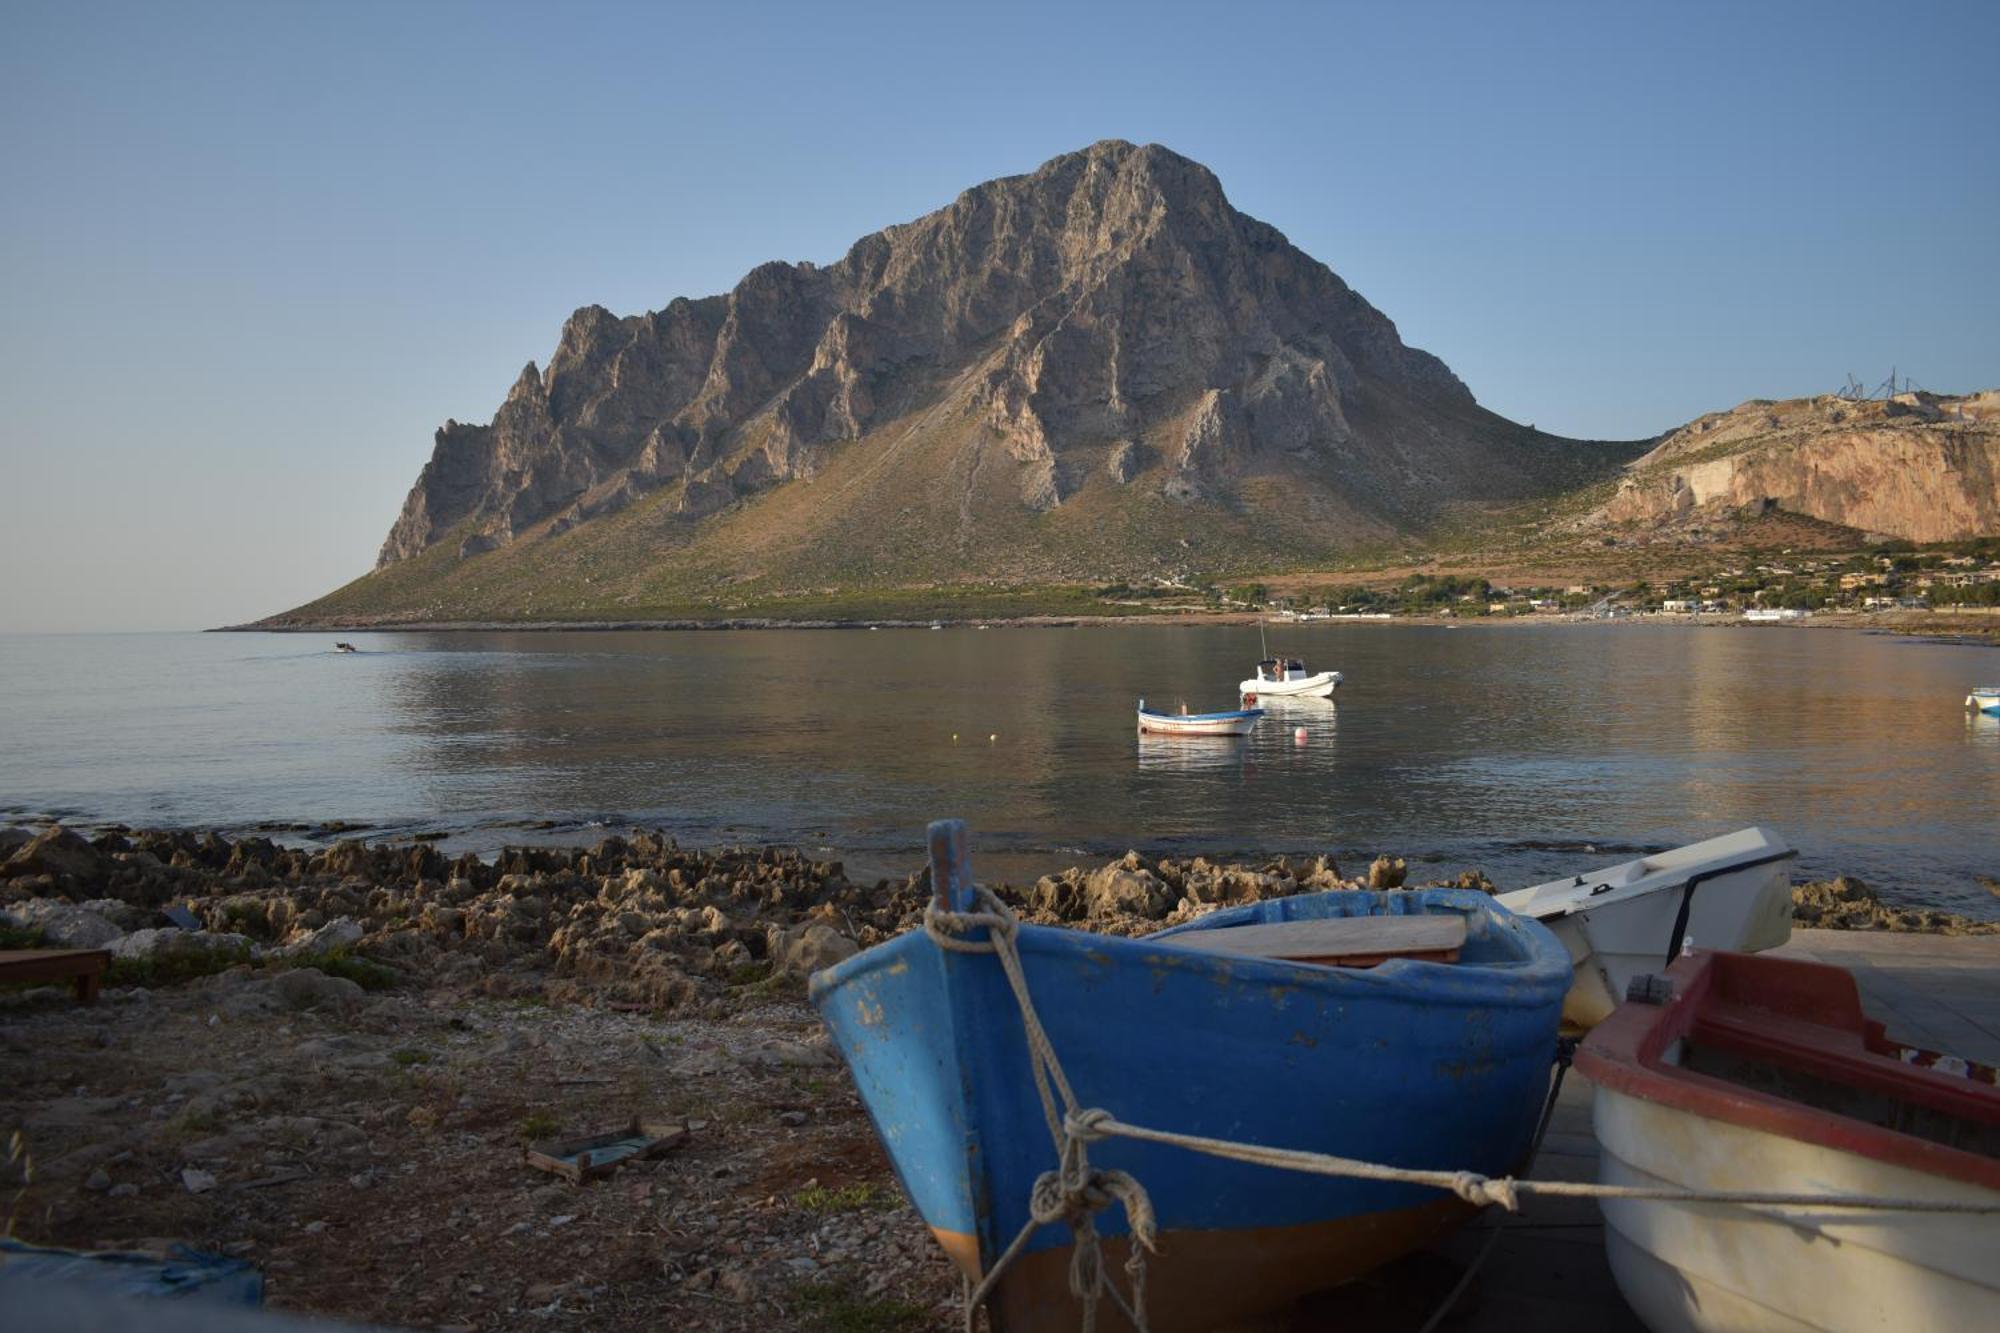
{"type": "Point", "coordinates": [85, 967]}
{"type": "Point", "coordinates": [574, 1160]}
{"type": "Point", "coordinates": [1354, 940]}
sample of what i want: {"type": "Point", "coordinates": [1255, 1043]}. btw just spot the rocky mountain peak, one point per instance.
{"type": "Point", "coordinates": [1107, 320]}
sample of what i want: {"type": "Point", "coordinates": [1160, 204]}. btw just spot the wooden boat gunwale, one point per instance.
{"type": "Point", "coordinates": [1629, 1052]}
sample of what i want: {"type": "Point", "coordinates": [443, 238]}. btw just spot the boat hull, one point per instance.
{"type": "Point", "coordinates": [1200, 724]}
{"type": "Point", "coordinates": [1984, 701]}
{"type": "Point", "coordinates": [1413, 1063]}
{"type": "Point", "coordinates": [1742, 1081]}
{"type": "Point", "coordinates": [1707, 1268]}
{"type": "Point", "coordinates": [1318, 686]}
{"type": "Point", "coordinates": [1618, 922]}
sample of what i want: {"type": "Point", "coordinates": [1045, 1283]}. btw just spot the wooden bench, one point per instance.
{"type": "Point", "coordinates": [1337, 941]}
{"type": "Point", "coordinates": [85, 967]}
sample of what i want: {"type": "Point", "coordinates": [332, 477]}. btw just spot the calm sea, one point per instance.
{"type": "Point", "coordinates": [1526, 752]}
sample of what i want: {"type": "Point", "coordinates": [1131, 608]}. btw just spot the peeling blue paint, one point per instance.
{"type": "Point", "coordinates": [1412, 1063]}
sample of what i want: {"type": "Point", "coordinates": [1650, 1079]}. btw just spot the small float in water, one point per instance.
{"type": "Point", "coordinates": [1767, 1068]}
{"type": "Point", "coordinates": [1328, 1022]}
{"type": "Point", "coordinates": [1236, 722]}
{"type": "Point", "coordinates": [1633, 918]}
{"type": "Point", "coordinates": [1984, 698]}
{"type": "Point", "coordinates": [345, 648]}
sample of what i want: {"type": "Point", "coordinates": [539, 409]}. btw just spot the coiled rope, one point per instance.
{"type": "Point", "coordinates": [1074, 1193]}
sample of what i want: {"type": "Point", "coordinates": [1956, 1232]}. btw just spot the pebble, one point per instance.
{"type": "Point", "coordinates": [314, 1228]}
{"type": "Point", "coordinates": [124, 1191]}
{"type": "Point", "coordinates": [793, 1118]}
{"type": "Point", "coordinates": [98, 1181]}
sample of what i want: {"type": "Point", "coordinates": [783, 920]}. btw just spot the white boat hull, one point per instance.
{"type": "Point", "coordinates": [1984, 700]}
{"type": "Point", "coordinates": [1318, 686]}
{"type": "Point", "coordinates": [1618, 922]}
{"type": "Point", "coordinates": [1225, 724]}
{"type": "Point", "coordinates": [1716, 1268]}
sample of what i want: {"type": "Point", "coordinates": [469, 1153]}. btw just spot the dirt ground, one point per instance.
{"type": "Point", "coordinates": [368, 1157]}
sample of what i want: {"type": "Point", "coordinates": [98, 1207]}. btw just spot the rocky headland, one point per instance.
{"type": "Point", "coordinates": [326, 1060]}
{"type": "Point", "coordinates": [1100, 369]}
{"type": "Point", "coordinates": [1920, 467]}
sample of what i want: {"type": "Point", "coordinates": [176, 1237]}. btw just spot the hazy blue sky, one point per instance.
{"type": "Point", "coordinates": [251, 255]}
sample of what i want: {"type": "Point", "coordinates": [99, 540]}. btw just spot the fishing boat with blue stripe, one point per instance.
{"type": "Point", "coordinates": [1235, 722]}
{"type": "Point", "coordinates": [1414, 1028]}
{"type": "Point", "coordinates": [1984, 698]}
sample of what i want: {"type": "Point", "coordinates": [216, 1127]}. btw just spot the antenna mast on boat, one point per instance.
{"type": "Point", "coordinates": [1262, 651]}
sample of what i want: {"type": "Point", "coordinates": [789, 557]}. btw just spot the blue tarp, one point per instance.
{"type": "Point", "coordinates": [184, 1273]}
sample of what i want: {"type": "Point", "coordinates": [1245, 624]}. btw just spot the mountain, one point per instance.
{"type": "Point", "coordinates": [1919, 466]}
{"type": "Point", "coordinates": [1097, 371]}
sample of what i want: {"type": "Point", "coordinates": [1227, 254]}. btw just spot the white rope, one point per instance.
{"type": "Point", "coordinates": [1074, 1193]}
{"type": "Point", "coordinates": [1506, 1190]}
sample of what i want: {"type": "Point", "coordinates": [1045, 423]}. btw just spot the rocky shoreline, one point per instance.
{"type": "Point", "coordinates": [327, 1061]}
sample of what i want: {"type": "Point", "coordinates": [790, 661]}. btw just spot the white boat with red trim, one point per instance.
{"type": "Point", "coordinates": [1740, 1072]}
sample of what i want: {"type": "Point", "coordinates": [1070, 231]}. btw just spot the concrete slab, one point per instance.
{"type": "Point", "coordinates": [1940, 991]}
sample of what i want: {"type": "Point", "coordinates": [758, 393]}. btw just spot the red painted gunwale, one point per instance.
{"type": "Point", "coordinates": [1800, 1015]}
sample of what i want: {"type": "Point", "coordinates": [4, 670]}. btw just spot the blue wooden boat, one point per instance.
{"type": "Point", "coordinates": [1235, 722]}
{"type": "Point", "coordinates": [1410, 1063]}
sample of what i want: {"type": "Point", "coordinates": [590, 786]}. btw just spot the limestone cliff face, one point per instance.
{"type": "Point", "coordinates": [1922, 467]}
{"type": "Point", "coordinates": [1109, 318]}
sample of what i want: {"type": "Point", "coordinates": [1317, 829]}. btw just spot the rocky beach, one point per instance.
{"type": "Point", "coordinates": [327, 1061]}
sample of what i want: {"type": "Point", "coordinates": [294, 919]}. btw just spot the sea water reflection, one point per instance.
{"type": "Point", "coordinates": [1506, 748]}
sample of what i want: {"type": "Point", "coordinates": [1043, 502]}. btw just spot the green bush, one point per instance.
{"type": "Point", "coordinates": [363, 972]}
{"type": "Point", "coordinates": [175, 968]}
{"type": "Point", "coordinates": [838, 1308]}
{"type": "Point", "coordinates": [861, 1196]}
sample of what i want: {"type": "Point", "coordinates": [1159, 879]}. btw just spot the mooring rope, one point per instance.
{"type": "Point", "coordinates": [1074, 1193]}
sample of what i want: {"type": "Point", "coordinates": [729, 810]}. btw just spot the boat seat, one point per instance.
{"type": "Point", "coordinates": [1338, 941]}
{"type": "Point", "coordinates": [1840, 1055]}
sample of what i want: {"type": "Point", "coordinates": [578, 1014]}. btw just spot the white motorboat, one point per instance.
{"type": "Point", "coordinates": [1627, 920]}
{"type": "Point", "coordinates": [1281, 677]}
{"type": "Point", "coordinates": [1985, 698]}
{"type": "Point", "coordinates": [1237, 722]}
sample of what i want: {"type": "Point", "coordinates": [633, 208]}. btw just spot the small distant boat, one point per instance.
{"type": "Point", "coordinates": [1985, 698]}
{"type": "Point", "coordinates": [1630, 919]}
{"type": "Point", "coordinates": [1237, 722]}
{"type": "Point", "coordinates": [1278, 677]}
{"type": "Point", "coordinates": [1327, 1022]}
{"type": "Point", "coordinates": [345, 648]}
{"type": "Point", "coordinates": [1755, 1071]}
